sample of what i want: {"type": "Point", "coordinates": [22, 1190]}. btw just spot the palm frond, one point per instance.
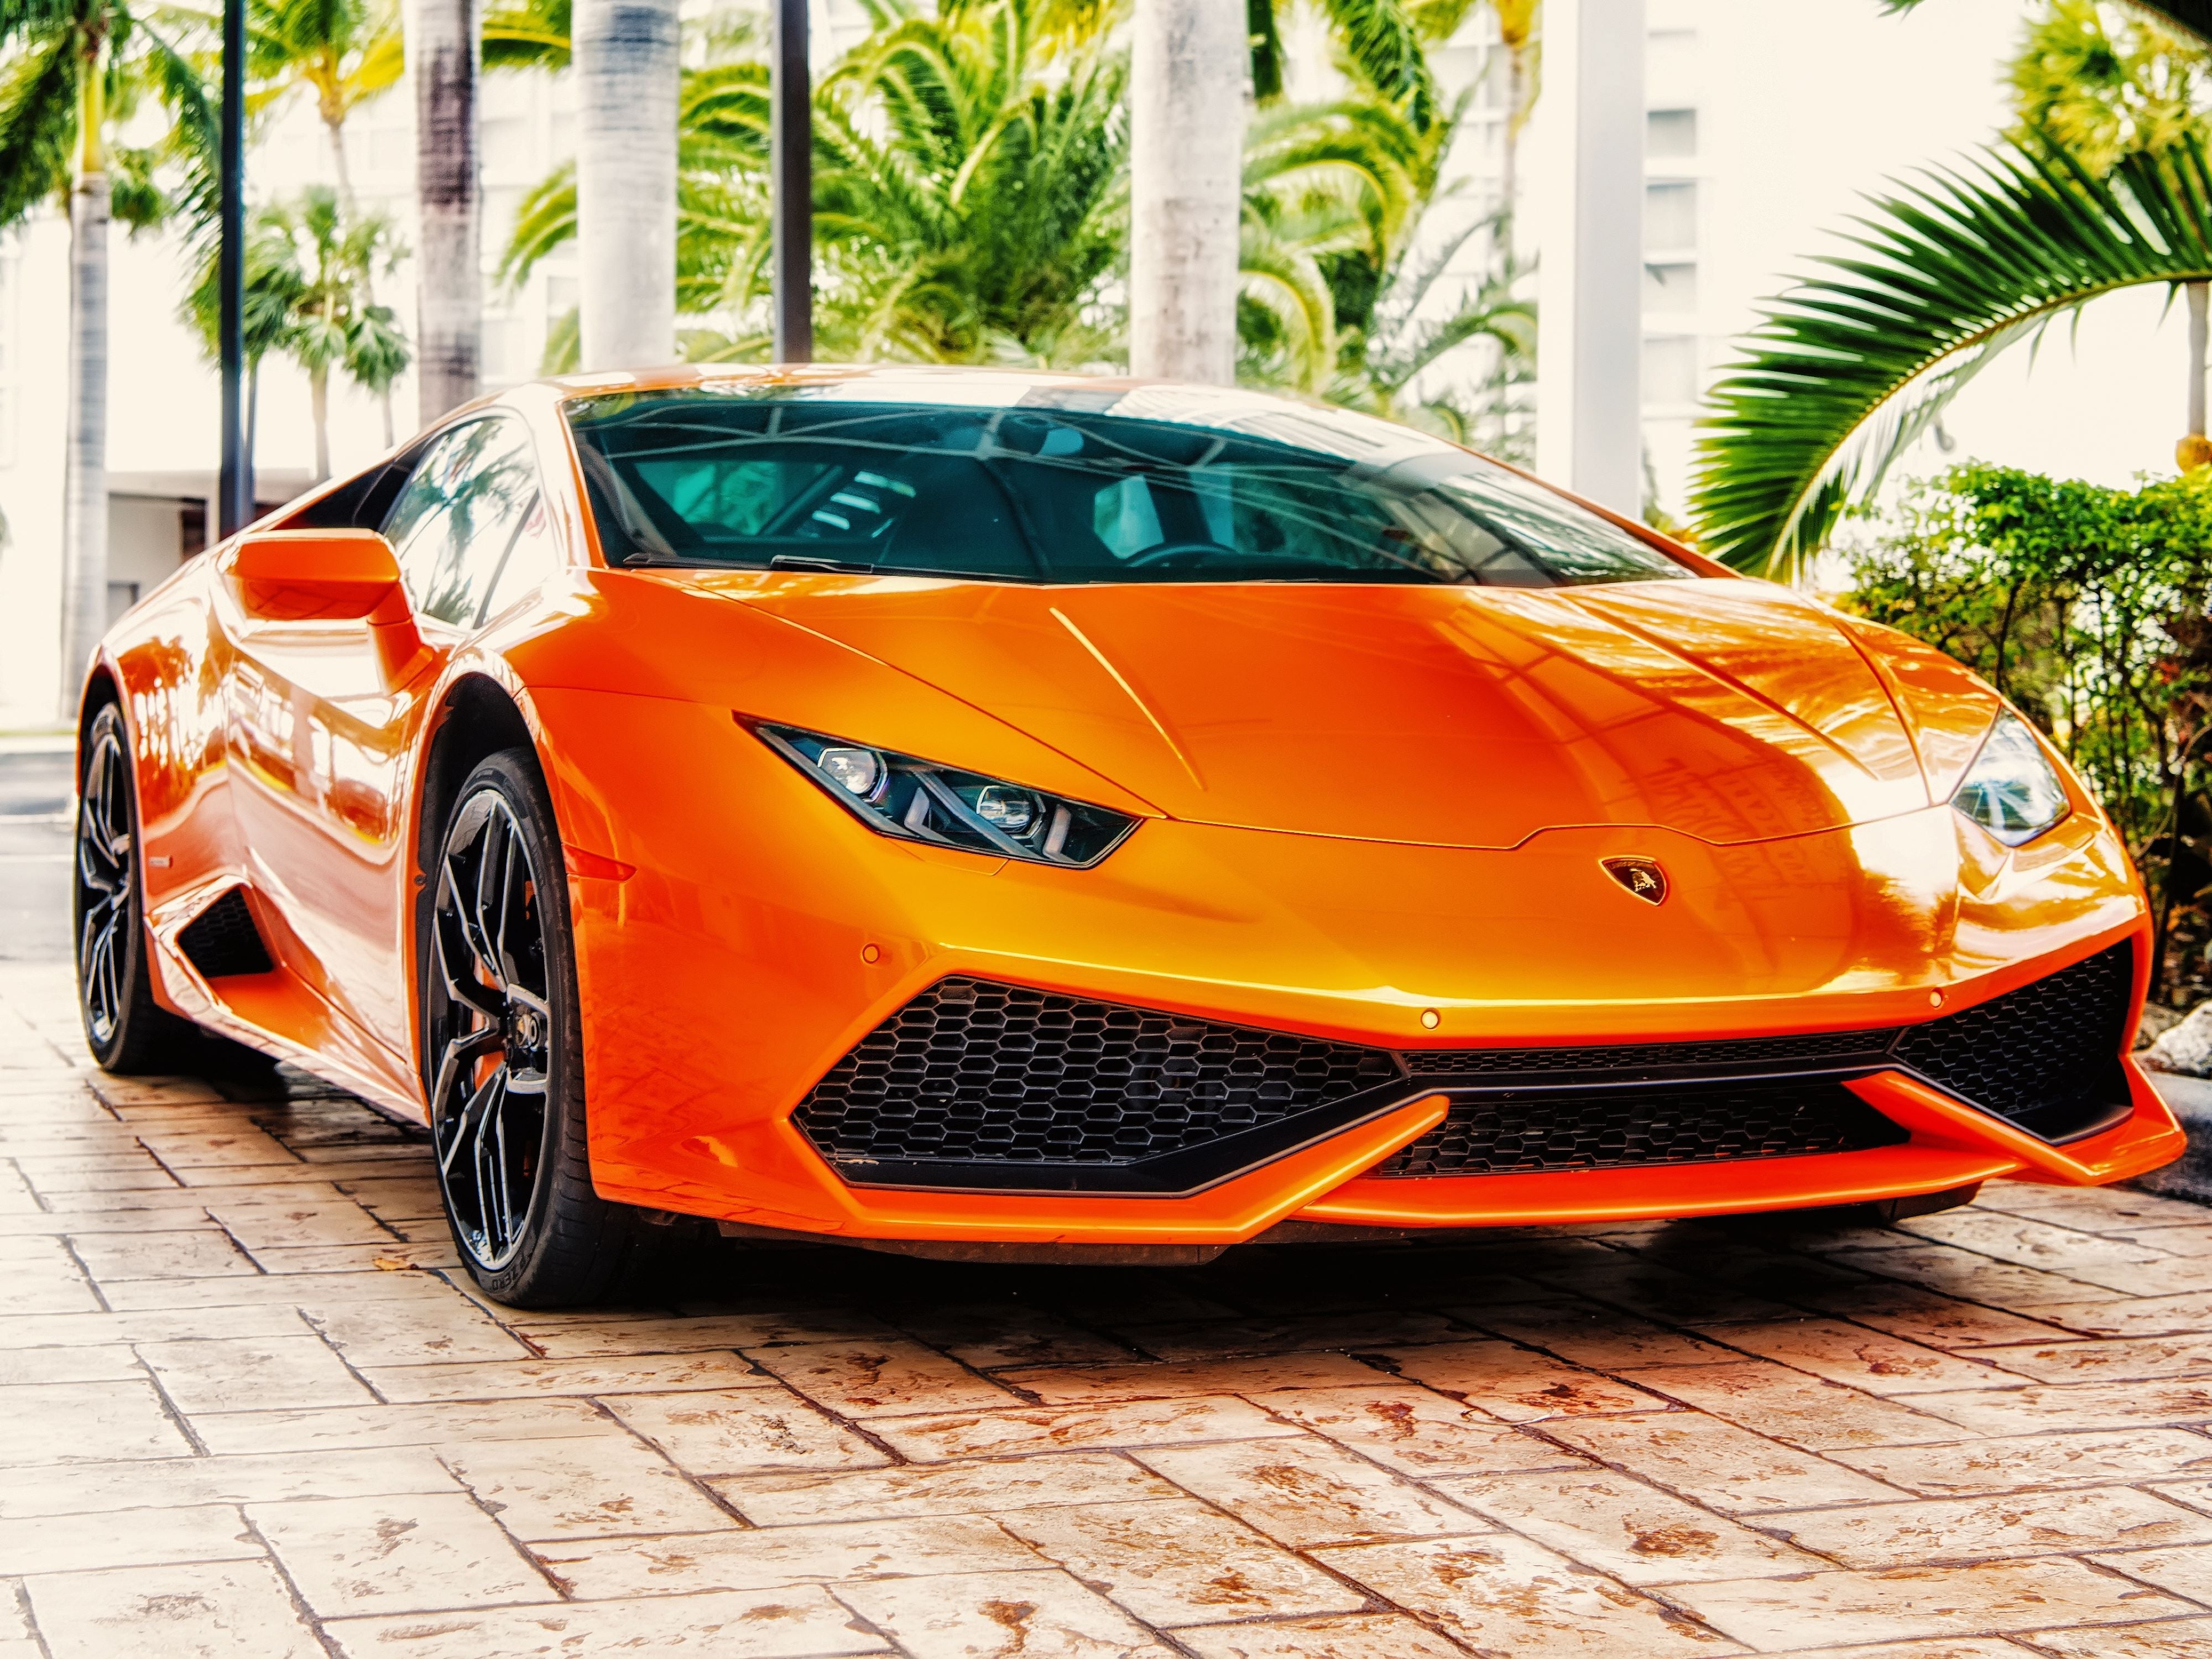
{"type": "Point", "coordinates": [1846, 370]}
{"type": "Point", "coordinates": [1382, 41]}
{"type": "Point", "coordinates": [38, 119]}
{"type": "Point", "coordinates": [527, 34]}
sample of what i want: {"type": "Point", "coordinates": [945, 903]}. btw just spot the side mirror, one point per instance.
{"type": "Point", "coordinates": [329, 576]}
{"type": "Point", "coordinates": [316, 575]}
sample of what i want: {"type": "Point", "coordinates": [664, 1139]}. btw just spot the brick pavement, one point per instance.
{"type": "Point", "coordinates": [249, 1406]}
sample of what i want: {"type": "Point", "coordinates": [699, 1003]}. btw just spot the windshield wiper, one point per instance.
{"type": "Point", "coordinates": [811, 561]}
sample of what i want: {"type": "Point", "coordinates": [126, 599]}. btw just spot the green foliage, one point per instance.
{"type": "Point", "coordinates": [92, 63]}
{"type": "Point", "coordinates": [2195, 16]}
{"type": "Point", "coordinates": [1846, 370]}
{"type": "Point", "coordinates": [2088, 607]}
{"type": "Point", "coordinates": [2101, 81]}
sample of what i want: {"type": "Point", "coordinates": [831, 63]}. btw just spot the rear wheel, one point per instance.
{"type": "Point", "coordinates": [503, 1055]}
{"type": "Point", "coordinates": [128, 1032]}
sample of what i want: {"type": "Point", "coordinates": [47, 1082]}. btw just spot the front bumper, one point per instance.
{"type": "Point", "coordinates": [738, 935]}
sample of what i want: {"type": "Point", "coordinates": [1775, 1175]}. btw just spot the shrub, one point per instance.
{"type": "Point", "coordinates": [2087, 607]}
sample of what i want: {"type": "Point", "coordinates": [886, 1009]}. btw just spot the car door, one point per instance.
{"type": "Point", "coordinates": [324, 733]}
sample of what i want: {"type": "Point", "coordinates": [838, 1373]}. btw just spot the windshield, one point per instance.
{"type": "Point", "coordinates": [722, 478]}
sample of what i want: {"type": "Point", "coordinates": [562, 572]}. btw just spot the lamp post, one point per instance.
{"type": "Point", "coordinates": [235, 487]}
{"type": "Point", "coordinates": [791, 174]}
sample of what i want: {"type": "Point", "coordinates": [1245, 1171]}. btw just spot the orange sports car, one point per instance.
{"type": "Point", "coordinates": [979, 814]}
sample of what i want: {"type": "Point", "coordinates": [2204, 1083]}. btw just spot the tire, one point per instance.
{"type": "Point", "coordinates": [503, 1064]}
{"type": "Point", "coordinates": [129, 1033]}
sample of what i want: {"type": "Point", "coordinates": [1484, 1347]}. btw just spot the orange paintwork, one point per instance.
{"type": "Point", "coordinates": [1361, 804]}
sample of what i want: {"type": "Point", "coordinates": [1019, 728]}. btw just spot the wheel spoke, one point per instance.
{"type": "Point", "coordinates": [462, 988]}
{"type": "Point", "coordinates": [469, 1122]}
{"type": "Point", "coordinates": [465, 917]}
{"type": "Point", "coordinates": [470, 1045]}
{"type": "Point", "coordinates": [498, 1151]}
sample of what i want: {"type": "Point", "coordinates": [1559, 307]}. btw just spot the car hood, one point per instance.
{"type": "Point", "coordinates": [1729, 710]}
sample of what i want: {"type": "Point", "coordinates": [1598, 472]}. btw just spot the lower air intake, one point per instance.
{"type": "Point", "coordinates": [1575, 1129]}
{"type": "Point", "coordinates": [223, 941]}
{"type": "Point", "coordinates": [997, 1087]}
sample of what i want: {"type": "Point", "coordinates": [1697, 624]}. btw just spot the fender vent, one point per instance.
{"type": "Point", "coordinates": [223, 941]}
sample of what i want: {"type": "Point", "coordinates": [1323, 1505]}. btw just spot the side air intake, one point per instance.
{"type": "Point", "coordinates": [221, 941]}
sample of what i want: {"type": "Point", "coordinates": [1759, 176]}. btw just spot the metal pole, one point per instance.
{"type": "Point", "coordinates": [790, 171]}
{"type": "Point", "coordinates": [235, 492]}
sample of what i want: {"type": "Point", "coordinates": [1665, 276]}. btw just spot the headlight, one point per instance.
{"type": "Point", "coordinates": [897, 794]}
{"type": "Point", "coordinates": [2011, 790]}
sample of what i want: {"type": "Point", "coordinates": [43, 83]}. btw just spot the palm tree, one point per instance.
{"type": "Point", "coordinates": [2101, 94]}
{"type": "Point", "coordinates": [341, 52]}
{"type": "Point", "coordinates": [273, 288]}
{"type": "Point", "coordinates": [443, 56]}
{"type": "Point", "coordinates": [1846, 370]}
{"type": "Point", "coordinates": [336, 322]}
{"type": "Point", "coordinates": [74, 72]}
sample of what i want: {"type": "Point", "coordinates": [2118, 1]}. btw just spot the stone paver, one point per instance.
{"type": "Point", "coordinates": [248, 1405]}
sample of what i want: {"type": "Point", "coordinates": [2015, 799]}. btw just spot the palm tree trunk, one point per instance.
{"type": "Point", "coordinates": [1187, 137]}
{"type": "Point", "coordinates": [627, 64]}
{"type": "Point", "coordinates": [443, 57]}
{"type": "Point", "coordinates": [319, 398]}
{"type": "Point", "coordinates": [84, 535]}
{"type": "Point", "coordinates": [2200, 303]}
{"type": "Point", "coordinates": [1509, 165]}
{"type": "Point", "coordinates": [334, 126]}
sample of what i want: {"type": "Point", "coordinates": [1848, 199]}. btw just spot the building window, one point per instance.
{"type": "Point", "coordinates": [1670, 216]}
{"type": "Point", "coordinates": [1671, 287]}
{"type": "Point", "coordinates": [1670, 135]}
{"type": "Point", "coordinates": [1670, 370]}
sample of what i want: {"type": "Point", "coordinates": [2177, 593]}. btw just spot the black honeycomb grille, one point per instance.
{"type": "Point", "coordinates": [973, 1072]}
{"type": "Point", "coordinates": [223, 940]}
{"type": "Point", "coordinates": [2042, 1055]}
{"type": "Point", "coordinates": [1555, 1130]}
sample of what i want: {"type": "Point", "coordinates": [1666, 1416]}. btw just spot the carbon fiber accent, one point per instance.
{"type": "Point", "coordinates": [223, 940]}
{"type": "Point", "coordinates": [1553, 1131]}
{"type": "Point", "coordinates": [1667, 1059]}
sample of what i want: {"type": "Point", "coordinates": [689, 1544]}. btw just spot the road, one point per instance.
{"type": "Point", "coordinates": [34, 850]}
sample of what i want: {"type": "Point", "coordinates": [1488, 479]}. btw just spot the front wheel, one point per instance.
{"type": "Point", "coordinates": [129, 1033]}
{"type": "Point", "coordinates": [503, 1053]}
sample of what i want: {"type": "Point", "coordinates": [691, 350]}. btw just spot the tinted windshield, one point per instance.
{"type": "Point", "coordinates": [708, 477]}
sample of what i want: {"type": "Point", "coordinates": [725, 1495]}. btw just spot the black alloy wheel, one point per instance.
{"type": "Point", "coordinates": [502, 1055]}
{"type": "Point", "coordinates": [126, 1030]}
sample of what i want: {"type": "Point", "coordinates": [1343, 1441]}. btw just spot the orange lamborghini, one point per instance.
{"type": "Point", "coordinates": [978, 815]}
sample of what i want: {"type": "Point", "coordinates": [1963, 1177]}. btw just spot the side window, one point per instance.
{"type": "Point", "coordinates": [533, 557]}
{"type": "Point", "coordinates": [452, 524]}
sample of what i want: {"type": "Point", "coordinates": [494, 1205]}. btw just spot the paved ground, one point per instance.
{"type": "Point", "coordinates": [247, 1407]}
